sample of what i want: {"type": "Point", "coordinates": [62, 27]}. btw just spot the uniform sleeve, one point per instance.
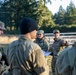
{"type": "Point", "coordinates": [64, 43]}
{"type": "Point", "coordinates": [46, 45]}
{"type": "Point", "coordinates": [4, 57]}
{"type": "Point", "coordinates": [62, 64]}
{"type": "Point", "coordinates": [39, 63]}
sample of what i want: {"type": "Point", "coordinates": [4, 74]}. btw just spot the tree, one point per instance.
{"type": "Point", "coordinates": [46, 1]}
{"type": "Point", "coordinates": [70, 15]}
{"type": "Point", "coordinates": [15, 10]}
{"type": "Point", "coordinates": [44, 16]}
{"type": "Point", "coordinates": [59, 17]}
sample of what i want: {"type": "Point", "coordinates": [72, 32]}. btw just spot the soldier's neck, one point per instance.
{"type": "Point", "coordinates": [28, 36]}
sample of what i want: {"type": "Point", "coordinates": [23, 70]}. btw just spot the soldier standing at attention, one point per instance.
{"type": "Point", "coordinates": [41, 41]}
{"type": "Point", "coordinates": [66, 61]}
{"type": "Point", "coordinates": [55, 48]}
{"type": "Point", "coordinates": [25, 57]}
{"type": "Point", "coordinates": [3, 57]}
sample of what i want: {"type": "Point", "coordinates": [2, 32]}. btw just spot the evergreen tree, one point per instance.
{"type": "Point", "coordinates": [70, 15]}
{"type": "Point", "coordinates": [59, 16]}
{"type": "Point", "coordinates": [15, 10]}
{"type": "Point", "coordinates": [44, 16]}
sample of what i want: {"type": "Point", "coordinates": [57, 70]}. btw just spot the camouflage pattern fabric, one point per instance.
{"type": "Point", "coordinates": [1, 64]}
{"type": "Point", "coordinates": [25, 58]}
{"type": "Point", "coordinates": [53, 62]}
{"type": "Point", "coordinates": [66, 62]}
{"type": "Point", "coordinates": [3, 61]}
{"type": "Point", "coordinates": [43, 43]}
{"type": "Point", "coordinates": [56, 48]}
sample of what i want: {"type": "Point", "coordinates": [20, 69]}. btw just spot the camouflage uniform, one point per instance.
{"type": "Point", "coordinates": [42, 42]}
{"type": "Point", "coordinates": [3, 57]}
{"type": "Point", "coordinates": [66, 62]}
{"type": "Point", "coordinates": [57, 46]}
{"type": "Point", "coordinates": [26, 58]}
{"type": "Point", "coordinates": [3, 61]}
{"type": "Point", "coordinates": [0, 61]}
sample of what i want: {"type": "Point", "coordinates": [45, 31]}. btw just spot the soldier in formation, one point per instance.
{"type": "Point", "coordinates": [3, 57]}
{"type": "Point", "coordinates": [56, 48]}
{"type": "Point", "coordinates": [42, 41]}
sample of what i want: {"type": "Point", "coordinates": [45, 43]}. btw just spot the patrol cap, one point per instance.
{"type": "Point", "coordinates": [2, 26]}
{"type": "Point", "coordinates": [40, 32]}
{"type": "Point", "coordinates": [28, 25]}
{"type": "Point", "coordinates": [56, 31]}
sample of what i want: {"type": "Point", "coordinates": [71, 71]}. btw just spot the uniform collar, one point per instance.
{"type": "Point", "coordinates": [23, 37]}
{"type": "Point", "coordinates": [57, 39]}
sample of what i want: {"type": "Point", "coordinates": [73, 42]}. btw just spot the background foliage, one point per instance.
{"type": "Point", "coordinates": [13, 11]}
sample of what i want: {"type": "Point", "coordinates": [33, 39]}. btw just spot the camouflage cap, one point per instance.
{"type": "Point", "coordinates": [2, 26]}
{"type": "Point", "coordinates": [56, 31]}
{"type": "Point", "coordinates": [40, 32]}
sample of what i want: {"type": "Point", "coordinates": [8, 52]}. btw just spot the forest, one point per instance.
{"type": "Point", "coordinates": [13, 11]}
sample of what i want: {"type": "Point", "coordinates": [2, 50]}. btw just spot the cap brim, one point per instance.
{"type": "Point", "coordinates": [40, 33]}
{"type": "Point", "coordinates": [2, 28]}
{"type": "Point", "coordinates": [56, 32]}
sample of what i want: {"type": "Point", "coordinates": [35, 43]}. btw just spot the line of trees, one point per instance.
{"type": "Point", "coordinates": [12, 12]}
{"type": "Point", "coordinates": [66, 17]}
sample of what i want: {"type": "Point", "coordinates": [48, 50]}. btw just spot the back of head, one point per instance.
{"type": "Point", "coordinates": [28, 25]}
{"type": "Point", "coordinates": [2, 26]}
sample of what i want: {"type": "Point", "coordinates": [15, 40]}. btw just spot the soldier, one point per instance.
{"type": "Point", "coordinates": [41, 41]}
{"type": "Point", "coordinates": [55, 48]}
{"type": "Point", "coordinates": [3, 57]}
{"type": "Point", "coordinates": [25, 57]}
{"type": "Point", "coordinates": [66, 61]}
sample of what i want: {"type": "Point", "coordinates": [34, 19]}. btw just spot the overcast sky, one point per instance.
{"type": "Point", "coordinates": [54, 7]}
